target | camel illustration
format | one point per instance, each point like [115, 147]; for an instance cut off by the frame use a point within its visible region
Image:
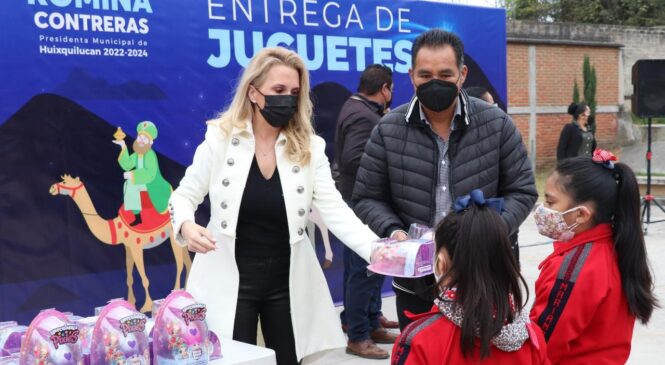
[117, 231]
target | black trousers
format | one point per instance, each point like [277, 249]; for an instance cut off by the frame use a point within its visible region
[264, 293]
[409, 302]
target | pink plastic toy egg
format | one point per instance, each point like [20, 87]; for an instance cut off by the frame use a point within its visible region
[180, 335]
[120, 336]
[51, 339]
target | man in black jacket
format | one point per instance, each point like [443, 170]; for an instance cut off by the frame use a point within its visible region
[362, 293]
[439, 146]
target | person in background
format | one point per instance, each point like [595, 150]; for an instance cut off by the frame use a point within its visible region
[577, 137]
[597, 280]
[439, 145]
[480, 93]
[264, 169]
[478, 315]
[362, 318]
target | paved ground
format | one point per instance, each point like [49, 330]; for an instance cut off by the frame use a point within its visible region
[635, 156]
[648, 341]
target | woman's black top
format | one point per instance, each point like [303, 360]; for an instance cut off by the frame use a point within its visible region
[263, 229]
[573, 141]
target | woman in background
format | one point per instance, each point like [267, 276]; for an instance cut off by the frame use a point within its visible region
[577, 137]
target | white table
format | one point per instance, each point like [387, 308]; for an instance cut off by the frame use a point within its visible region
[239, 353]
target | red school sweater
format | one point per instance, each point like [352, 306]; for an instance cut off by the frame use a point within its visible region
[433, 339]
[580, 304]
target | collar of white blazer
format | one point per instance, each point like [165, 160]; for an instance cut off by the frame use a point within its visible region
[248, 132]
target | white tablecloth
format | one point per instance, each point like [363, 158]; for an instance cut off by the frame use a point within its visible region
[239, 353]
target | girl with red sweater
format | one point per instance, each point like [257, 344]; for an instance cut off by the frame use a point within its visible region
[597, 280]
[478, 315]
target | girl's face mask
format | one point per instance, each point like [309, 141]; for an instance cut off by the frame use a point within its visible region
[551, 223]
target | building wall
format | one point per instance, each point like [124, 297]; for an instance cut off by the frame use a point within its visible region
[549, 69]
[636, 42]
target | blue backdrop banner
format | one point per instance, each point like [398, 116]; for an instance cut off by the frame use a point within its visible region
[78, 74]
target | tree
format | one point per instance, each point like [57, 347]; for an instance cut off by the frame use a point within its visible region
[621, 12]
[576, 93]
[589, 77]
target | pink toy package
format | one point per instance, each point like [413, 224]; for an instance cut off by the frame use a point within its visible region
[10, 360]
[51, 339]
[119, 336]
[10, 338]
[86, 327]
[180, 335]
[411, 258]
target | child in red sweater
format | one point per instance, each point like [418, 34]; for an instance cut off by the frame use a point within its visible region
[478, 316]
[597, 280]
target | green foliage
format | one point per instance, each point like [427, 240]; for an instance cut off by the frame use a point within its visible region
[644, 121]
[623, 12]
[589, 75]
[576, 93]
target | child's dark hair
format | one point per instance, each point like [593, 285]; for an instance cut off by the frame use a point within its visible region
[616, 199]
[485, 272]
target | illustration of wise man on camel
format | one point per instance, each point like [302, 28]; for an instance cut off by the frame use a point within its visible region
[143, 220]
[142, 173]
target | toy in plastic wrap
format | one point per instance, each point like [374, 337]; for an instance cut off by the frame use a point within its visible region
[411, 258]
[180, 335]
[51, 339]
[10, 338]
[214, 346]
[86, 327]
[10, 360]
[421, 231]
[156, 304]
[120, 336]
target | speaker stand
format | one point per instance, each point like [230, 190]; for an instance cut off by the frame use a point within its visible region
[649, 199]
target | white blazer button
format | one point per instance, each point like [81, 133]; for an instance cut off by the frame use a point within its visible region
[235, 141]
[301, 212]
[224, 224]
[296, 169]
[224, 205]
[225, 182]
[300, 189]
[230, 162]
[300, 231]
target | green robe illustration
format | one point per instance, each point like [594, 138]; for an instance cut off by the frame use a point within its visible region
[146, 177]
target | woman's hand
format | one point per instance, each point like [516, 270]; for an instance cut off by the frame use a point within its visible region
[198, 239]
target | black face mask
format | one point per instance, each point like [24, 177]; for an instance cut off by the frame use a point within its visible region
[437, 95]
[279, 109]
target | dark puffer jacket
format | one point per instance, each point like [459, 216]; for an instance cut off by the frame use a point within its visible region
[398, 171]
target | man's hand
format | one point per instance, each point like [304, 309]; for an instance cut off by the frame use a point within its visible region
[120, 143]
[399, 235]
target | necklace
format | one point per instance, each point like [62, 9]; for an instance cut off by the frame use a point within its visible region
[264, 154]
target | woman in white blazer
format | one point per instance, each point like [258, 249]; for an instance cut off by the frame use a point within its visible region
[254, 259]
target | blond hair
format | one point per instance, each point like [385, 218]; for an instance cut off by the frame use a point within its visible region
[299, 130]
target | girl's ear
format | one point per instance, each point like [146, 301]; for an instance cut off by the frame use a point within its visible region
[584, 215]
[442, 264]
